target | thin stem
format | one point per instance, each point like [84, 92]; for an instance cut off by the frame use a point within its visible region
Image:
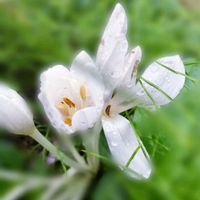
[57, 184]
[91, 143]
[73, 150]
[96, 155]
[191, 63]
[22, 189]
[149, 95]
[54, 151]
[133, 155]
[156, 87]
[176, 72]
[16, 176]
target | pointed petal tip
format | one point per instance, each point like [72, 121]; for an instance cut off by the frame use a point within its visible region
[144, 175]
[119, 11]
[138, 51]
[82, 56]
[138, 48]
[119, 6]
[82, 52]
[145, 170]
[148, 173]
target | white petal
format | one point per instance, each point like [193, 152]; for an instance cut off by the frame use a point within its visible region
[168, 81]
[15, 116]
[112, 72]
[132, 60]
[116, 28]
[123, 142]
[171, 83]
[85, 118]
[84, 68]
[54, 83]
[113, 48]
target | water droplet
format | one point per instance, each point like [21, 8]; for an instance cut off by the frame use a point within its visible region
[91, 125]
[167, 80]
[140, 93]
[115, 74]
[127, 144]
[114, 144]
[108, 127]
[130, 84]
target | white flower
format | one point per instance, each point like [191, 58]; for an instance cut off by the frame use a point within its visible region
[72, 99]
[75, 99]
[15, 115]
[158, 86]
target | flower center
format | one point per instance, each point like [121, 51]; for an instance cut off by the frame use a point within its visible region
[107, 110]
[68, 107]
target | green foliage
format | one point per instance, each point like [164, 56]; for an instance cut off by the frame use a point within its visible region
[35, 34]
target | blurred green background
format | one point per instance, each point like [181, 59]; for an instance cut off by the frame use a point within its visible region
[35, 34]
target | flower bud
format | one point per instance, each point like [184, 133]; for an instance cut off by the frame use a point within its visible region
[15, 115]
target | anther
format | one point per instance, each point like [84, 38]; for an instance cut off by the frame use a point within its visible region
[107, 110]
[63, 108]
[68, 121]
[83, 92]
[69, 102]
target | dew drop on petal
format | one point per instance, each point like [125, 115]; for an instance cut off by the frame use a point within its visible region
[114, 144]
[108, 127]
[167, 79]
[140, 93]
[127, 144]
[130, 84]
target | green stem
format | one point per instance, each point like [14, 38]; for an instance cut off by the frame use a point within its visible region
[54, 151]
[191, 63]
[156, 87]
[72, 149]
[149, 95]
[133, 155]
[91, 143]
[176, 72]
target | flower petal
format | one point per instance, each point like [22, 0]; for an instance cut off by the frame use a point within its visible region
[131, 62]
[113, 48]
[169, 82]
[115, 29]
[123, 142]
[85, 118]
[53, 83]
[84, 68]
[15, 116]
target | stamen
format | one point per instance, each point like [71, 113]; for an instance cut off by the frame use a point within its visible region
[68, 121]
[107, 110]
[69, 102]
[83, 92]
[63, 108]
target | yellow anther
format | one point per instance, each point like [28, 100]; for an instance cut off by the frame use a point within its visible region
[63, 108]
[68, 121]
[83, 92]
[69, 102]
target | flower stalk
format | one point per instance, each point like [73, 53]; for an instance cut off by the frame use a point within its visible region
[37, 136]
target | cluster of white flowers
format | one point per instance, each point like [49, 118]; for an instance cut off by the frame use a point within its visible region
[91, 94]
